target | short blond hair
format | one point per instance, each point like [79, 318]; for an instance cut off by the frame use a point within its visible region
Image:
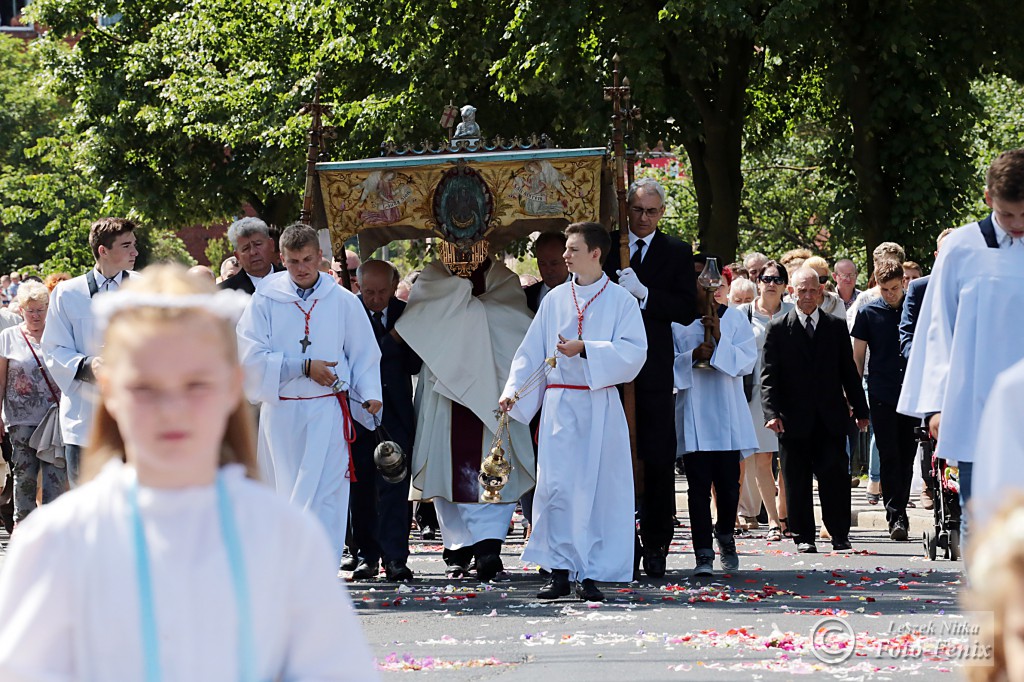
[818, 264]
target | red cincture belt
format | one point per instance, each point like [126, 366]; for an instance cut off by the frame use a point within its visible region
[569, 387]
[347, 427]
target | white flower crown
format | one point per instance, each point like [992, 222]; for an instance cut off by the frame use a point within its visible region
[228, 304]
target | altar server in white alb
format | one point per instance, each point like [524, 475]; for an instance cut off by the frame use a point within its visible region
[312, 360]
[713, 426]
[466, 329]
[172, 564]
[70, 347]
[999, 474]
[972, 317]
[583, 509]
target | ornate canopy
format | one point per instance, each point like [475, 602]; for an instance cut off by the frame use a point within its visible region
[475, 201]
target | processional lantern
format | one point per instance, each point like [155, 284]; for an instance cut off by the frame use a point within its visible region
[710, 279]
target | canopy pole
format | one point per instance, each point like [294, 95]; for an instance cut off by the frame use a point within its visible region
[618, 94]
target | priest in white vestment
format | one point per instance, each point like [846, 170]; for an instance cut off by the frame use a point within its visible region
[301, 337]
[466, 330]
[969, 321]
[713, 426]
[583, 508]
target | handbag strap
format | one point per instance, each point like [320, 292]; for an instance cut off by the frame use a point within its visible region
[46, 377]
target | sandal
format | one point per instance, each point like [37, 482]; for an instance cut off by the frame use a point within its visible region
[786, 532]
[873, 498]
[774, 534]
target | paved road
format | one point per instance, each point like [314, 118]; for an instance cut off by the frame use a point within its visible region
[754, 624]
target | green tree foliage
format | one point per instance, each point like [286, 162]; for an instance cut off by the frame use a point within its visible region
[28, 112]
[217, 250]
[181, 112]
[899, 76]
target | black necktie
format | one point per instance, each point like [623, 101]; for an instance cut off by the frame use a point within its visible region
[634, 262]
[809, 326]
[107, 282]
[378, 323]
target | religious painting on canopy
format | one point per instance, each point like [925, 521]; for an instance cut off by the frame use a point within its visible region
[475, 201]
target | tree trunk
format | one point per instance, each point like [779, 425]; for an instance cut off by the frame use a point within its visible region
[716, 160]
[278, 210]
[873, 196]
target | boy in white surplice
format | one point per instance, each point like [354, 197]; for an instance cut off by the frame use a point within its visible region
[308, 350]
[583, 507]
[713, 427]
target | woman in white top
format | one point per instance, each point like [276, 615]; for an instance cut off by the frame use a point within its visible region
[172, 564]
[26, 393]
[765, 308]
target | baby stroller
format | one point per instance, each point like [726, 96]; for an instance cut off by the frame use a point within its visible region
[944, 486]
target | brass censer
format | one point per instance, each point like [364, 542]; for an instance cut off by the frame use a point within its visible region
[495, 469]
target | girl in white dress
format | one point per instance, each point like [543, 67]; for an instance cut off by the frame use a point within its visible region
[172, 564]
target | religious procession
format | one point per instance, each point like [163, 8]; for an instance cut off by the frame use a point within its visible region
[476, 408]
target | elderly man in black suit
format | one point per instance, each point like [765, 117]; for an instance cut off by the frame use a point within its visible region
[380, 510]
[660, 275]
[808, 383]
[256, 253]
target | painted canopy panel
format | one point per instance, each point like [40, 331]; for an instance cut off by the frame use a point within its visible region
[461, 198]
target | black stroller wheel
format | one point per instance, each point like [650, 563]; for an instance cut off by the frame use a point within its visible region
[954, 545]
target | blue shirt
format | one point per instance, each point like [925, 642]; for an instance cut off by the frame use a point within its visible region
[878, 323]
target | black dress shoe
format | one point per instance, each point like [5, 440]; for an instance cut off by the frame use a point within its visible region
[557, 586]
[428, 533]
[654, 564]
[397, 572]
[841, 546]
[349, 563]
[488, 566]
[587, 591]
[806, 548]
[366, 571]
[456, 572]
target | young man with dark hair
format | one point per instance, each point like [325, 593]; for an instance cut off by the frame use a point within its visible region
[970, 315]
[312, 360]
[583, 506]
[877, 329]
[69, 343]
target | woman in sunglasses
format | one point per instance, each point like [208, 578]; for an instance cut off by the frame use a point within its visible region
[768, 305]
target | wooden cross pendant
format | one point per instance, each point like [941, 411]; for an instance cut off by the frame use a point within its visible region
[305, 342]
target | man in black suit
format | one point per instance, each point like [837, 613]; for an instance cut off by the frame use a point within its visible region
[256, 253]
[660, 275]
[808, 383]
[380, 510]
[549, 249]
